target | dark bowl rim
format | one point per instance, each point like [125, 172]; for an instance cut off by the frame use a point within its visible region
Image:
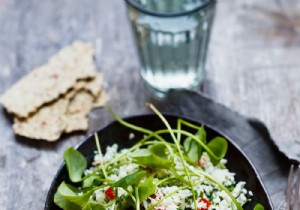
[166, 114]
[138, 7]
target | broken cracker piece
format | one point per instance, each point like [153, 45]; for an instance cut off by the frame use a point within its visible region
[46, 83]
[57, 97]
[82, 103]
[79, 108]
[48, 123]
[76, 122]
[67, 114]
[101, 100]
[77, 112]
[93, 85]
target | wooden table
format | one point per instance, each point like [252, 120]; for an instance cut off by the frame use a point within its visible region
[253, 68]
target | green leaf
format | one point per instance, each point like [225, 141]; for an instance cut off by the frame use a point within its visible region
[130, 180]
[91, 181]
[93, 206]
[145, 157]
[192, 148]
[201, 134]
[258, 206]
[76, 164]
[73, 194]
[218, 147]
[147, 188]
[63, 203]
[159, 149]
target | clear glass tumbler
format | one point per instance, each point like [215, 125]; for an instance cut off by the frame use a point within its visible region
[172, 38]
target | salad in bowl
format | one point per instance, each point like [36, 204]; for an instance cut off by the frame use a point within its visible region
[175, 165]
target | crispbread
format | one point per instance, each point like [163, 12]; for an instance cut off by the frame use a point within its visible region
[46, 83]
[57, 97]
[47, 123]
[76, 122]
[82, 103]
[101, 99]
[77, 112]
[93, 85]
[79, 108]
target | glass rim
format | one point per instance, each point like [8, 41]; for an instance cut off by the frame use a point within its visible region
[137, 6]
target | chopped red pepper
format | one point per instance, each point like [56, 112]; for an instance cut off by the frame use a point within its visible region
[110, 193]
[207, 202]
[153, 196]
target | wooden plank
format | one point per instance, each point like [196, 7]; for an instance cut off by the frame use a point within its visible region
[254, 67]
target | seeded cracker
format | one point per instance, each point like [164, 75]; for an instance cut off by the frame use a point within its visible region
[79, 108]
[68, 113]
[46, 83]
[101, 99]
[81, 103]
[76, 122]
[56, 98]
[91, 85]
[48, 123]
[85, 97]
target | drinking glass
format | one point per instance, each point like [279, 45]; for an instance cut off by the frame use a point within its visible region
[171, 38]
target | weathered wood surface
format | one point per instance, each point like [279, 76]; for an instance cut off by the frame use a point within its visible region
[253, 68]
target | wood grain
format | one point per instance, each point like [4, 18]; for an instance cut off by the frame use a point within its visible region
[253, 68]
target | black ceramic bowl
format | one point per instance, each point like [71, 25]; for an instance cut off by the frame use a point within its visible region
[117, 133]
